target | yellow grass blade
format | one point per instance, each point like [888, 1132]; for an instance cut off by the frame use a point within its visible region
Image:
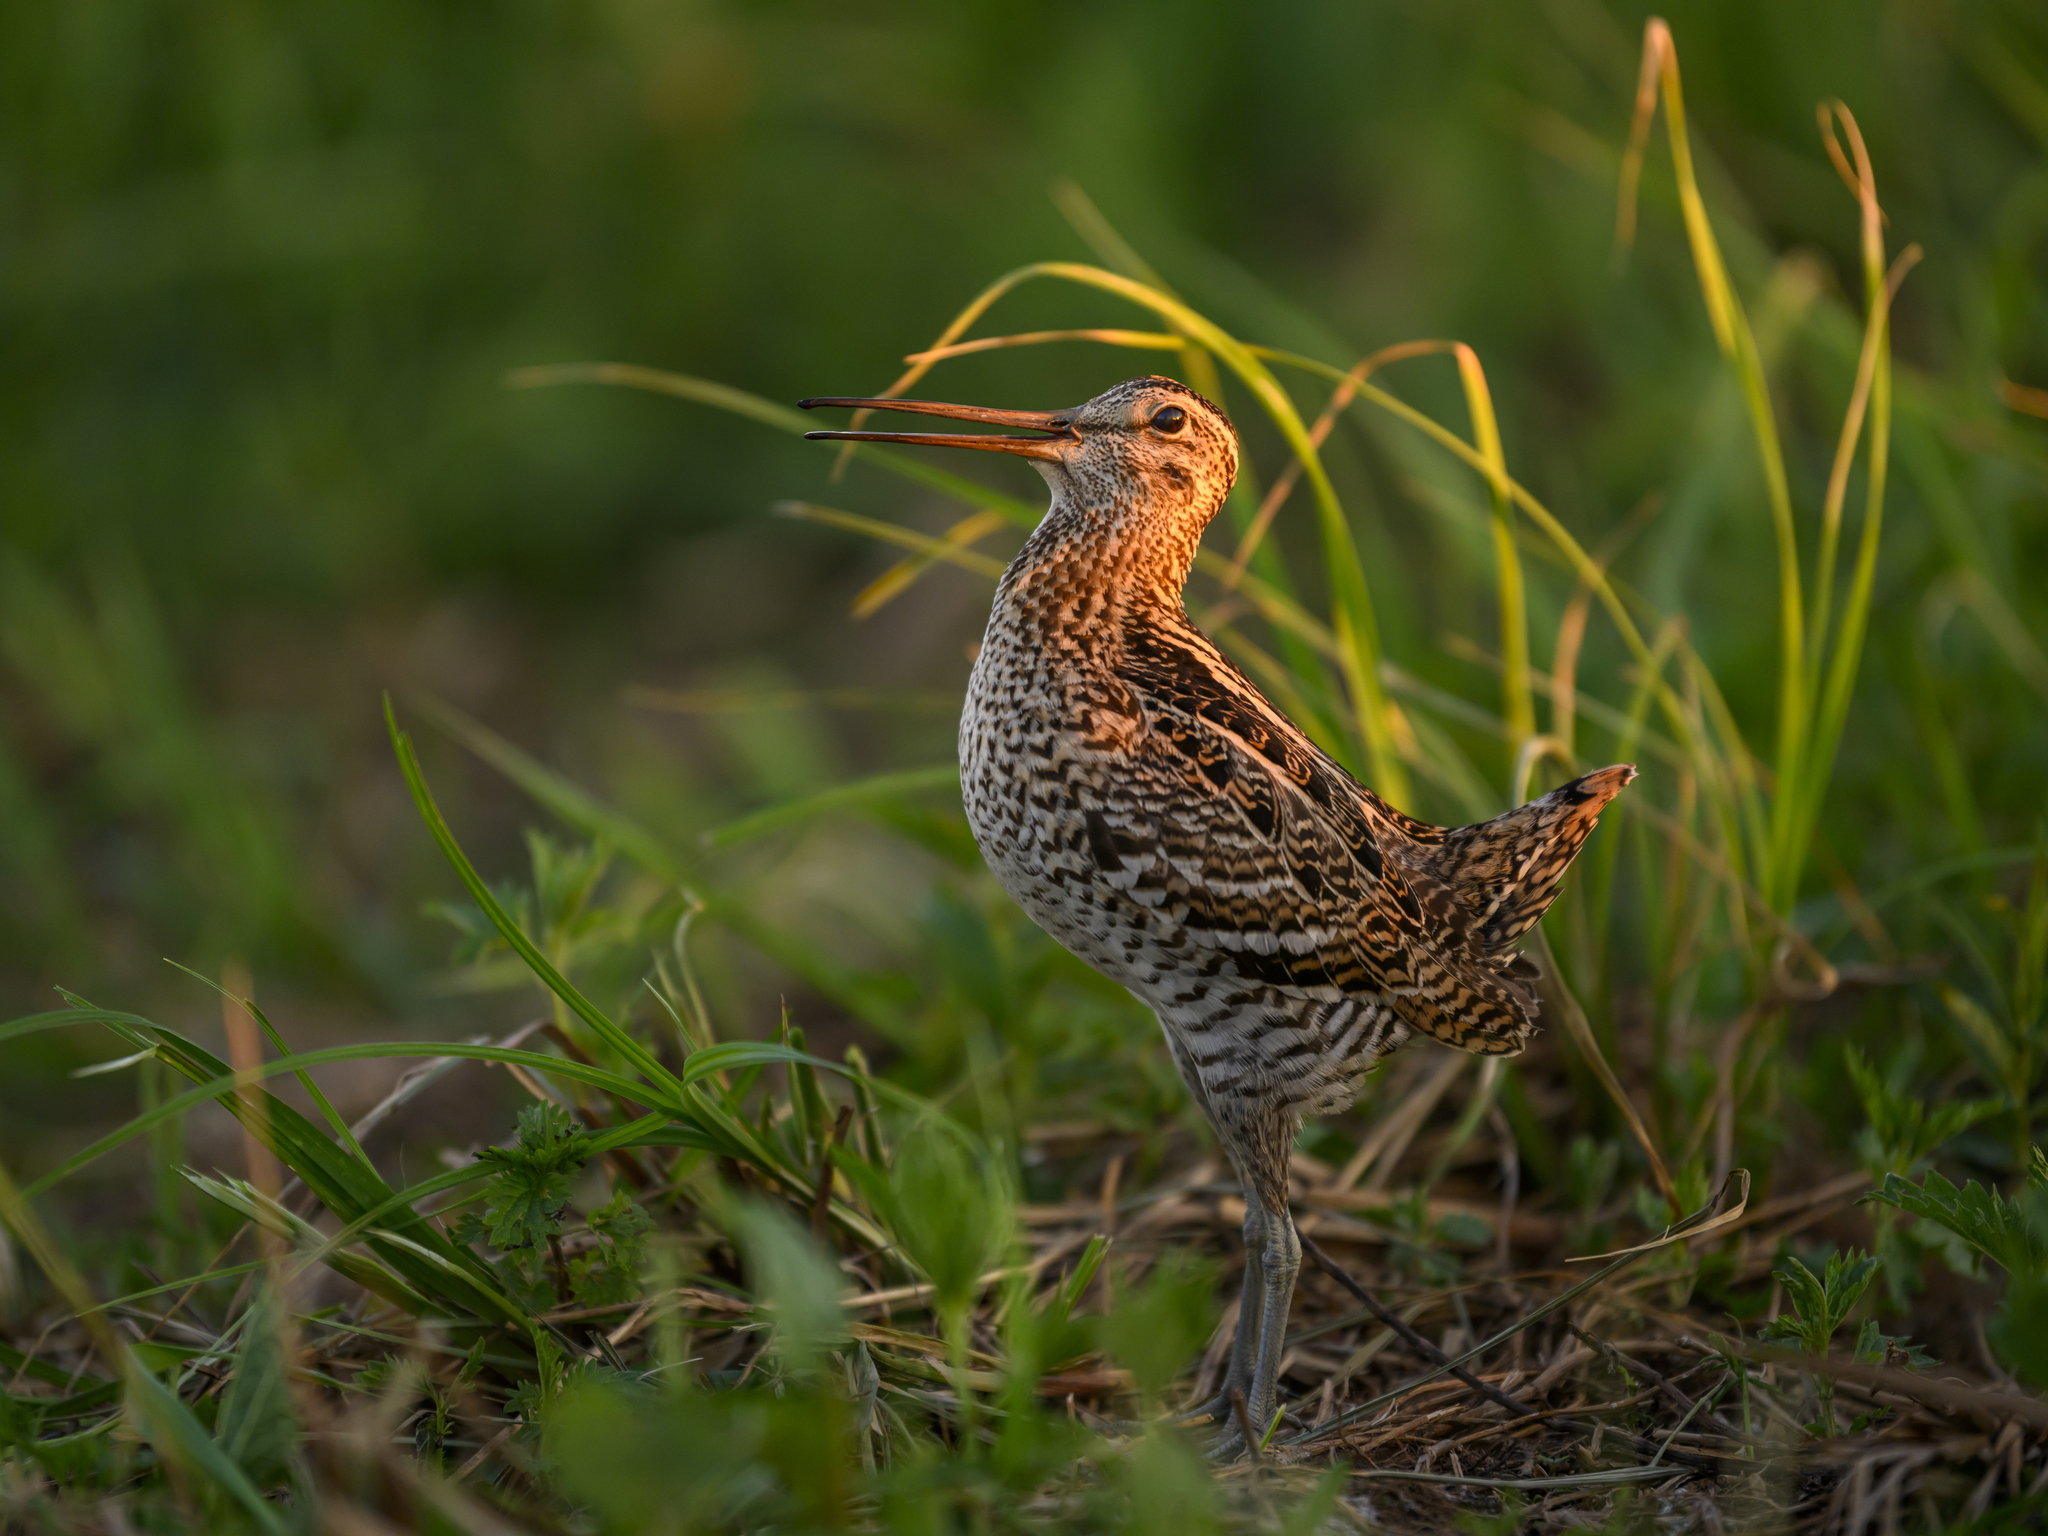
[1289, 477]
[893, 533]
[1155, 341]
[1732, 334]
[1516, 706]
[897, 579]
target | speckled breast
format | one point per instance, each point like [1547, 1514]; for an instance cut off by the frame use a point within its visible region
[1045, 770]
[1027, 780]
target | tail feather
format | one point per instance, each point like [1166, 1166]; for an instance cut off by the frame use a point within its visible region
[1506, 871]
[1470, 1006]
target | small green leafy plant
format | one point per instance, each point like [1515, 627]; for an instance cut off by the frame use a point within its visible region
[2008, 1037]
[1820, 1305]
[1901, 1130]
[524, 1213]
[2011, 1231]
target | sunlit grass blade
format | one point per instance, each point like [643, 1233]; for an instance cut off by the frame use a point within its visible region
[1738, 345]
[1120, 256]
[893, 582]
[1140, 341]
[1841, 652]
[949, 550]
[1197, 364]
[1352, 616]
[1517, 706]
[1255, 532]
[1611, 597]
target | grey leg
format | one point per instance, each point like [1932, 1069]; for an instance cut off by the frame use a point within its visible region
[1279, 1253]
[1272, 1260]
[1256, 1130]
[1259, 1147]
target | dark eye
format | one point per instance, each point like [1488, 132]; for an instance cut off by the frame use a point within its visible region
[1169, 418]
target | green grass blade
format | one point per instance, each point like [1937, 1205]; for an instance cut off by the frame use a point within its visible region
[213, 1087]
[345, 1186]
[169, 1425]
[1732, 333]
[600, 1024]
[359, 1269]
[1846, 646]
[58, 1018]
[1582, 564]
[17, 1365]
[327, 1109]
[229, 1272]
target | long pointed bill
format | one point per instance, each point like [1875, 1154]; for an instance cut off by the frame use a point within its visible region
[1058, 425]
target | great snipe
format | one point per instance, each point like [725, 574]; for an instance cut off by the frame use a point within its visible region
[1148, 807]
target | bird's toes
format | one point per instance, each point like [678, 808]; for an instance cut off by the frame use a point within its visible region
[1215, 1411]
[1226, 1447]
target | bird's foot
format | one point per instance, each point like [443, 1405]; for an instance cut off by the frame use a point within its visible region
[1226, 1447]
[1238, 1432]
[1216, 1410]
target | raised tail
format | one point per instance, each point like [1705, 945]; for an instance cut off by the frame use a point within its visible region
[1506, 871]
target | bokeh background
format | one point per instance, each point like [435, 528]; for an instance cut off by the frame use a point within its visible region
[264, 268]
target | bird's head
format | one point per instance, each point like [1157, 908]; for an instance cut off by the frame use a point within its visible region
[1146, 449]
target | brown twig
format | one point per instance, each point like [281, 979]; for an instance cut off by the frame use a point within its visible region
[1437, 1357]
[1643, 1372]
[1241, 1411]
[1946, 1396]
[1408, 1335]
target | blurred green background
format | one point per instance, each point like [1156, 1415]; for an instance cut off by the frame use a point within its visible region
[264, 266]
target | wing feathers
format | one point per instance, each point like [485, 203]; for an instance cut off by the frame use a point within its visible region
[1299, 877]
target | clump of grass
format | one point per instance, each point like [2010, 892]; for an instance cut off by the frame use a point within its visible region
[714, 1280]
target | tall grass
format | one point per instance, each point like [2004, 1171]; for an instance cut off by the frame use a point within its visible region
[1738, 834]
[524, 1334]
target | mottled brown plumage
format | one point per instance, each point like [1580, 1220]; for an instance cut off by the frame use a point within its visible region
[1149, 808]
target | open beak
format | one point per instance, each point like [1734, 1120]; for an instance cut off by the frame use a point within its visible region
[1058, 426]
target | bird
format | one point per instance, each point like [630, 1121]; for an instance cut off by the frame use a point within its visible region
[1149, 808]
